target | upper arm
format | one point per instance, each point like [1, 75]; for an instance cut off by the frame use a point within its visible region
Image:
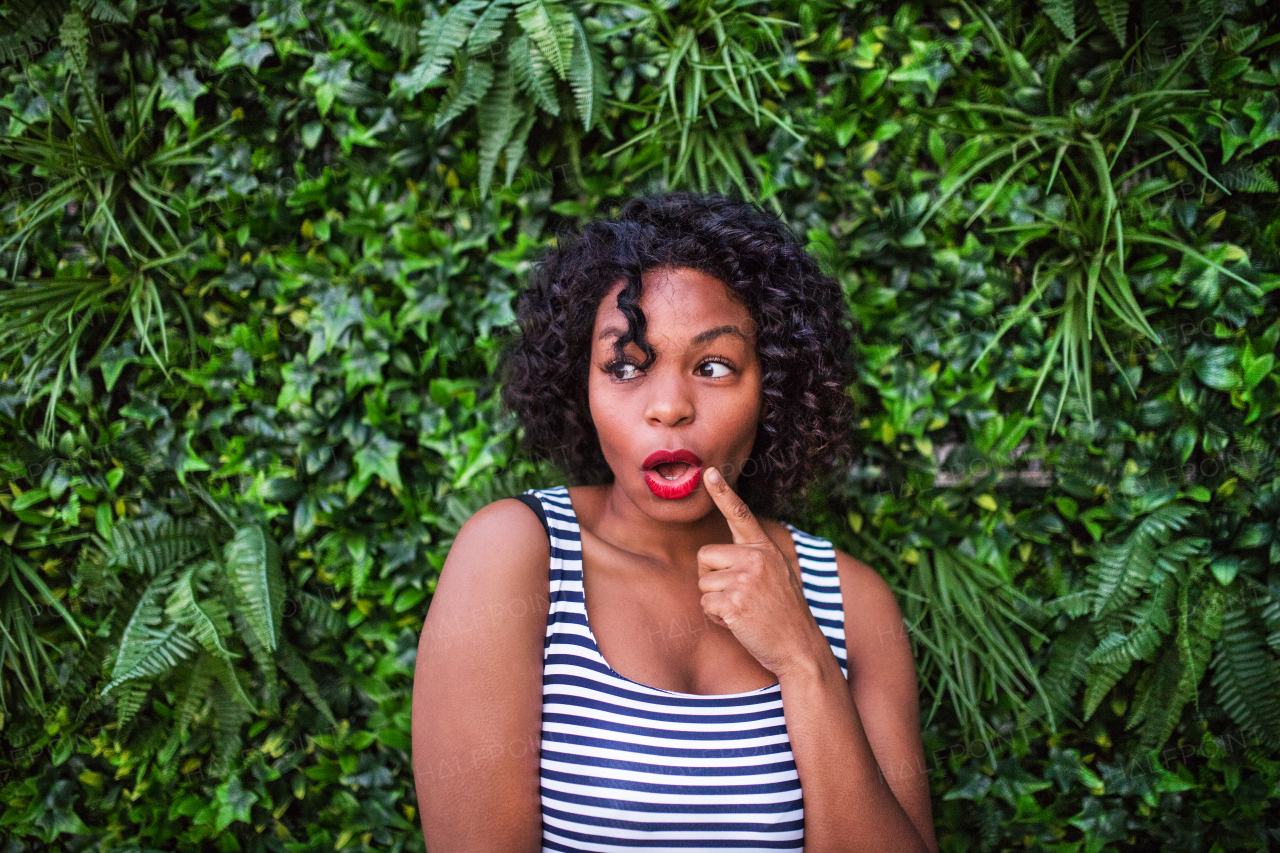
[477, 687]
[882, 679]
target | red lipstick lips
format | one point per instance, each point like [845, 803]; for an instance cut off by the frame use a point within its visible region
[683, 466]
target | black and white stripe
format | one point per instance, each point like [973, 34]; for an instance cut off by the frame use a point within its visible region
[625, 766]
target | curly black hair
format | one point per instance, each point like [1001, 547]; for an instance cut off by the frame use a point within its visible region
[803, 327]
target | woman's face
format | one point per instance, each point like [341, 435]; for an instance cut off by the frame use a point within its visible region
[701, 394]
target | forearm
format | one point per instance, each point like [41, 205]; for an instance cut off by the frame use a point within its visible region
[848, 805]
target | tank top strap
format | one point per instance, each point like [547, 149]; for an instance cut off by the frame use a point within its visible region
[822, 589]
[567, 613]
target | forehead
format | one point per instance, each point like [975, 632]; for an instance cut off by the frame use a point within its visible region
[674, 300]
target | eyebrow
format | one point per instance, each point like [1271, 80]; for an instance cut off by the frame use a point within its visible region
[700, 338]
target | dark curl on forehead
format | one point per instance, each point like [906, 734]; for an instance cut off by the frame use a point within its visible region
[802, 325]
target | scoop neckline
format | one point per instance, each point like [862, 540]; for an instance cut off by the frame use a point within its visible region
[591, 634]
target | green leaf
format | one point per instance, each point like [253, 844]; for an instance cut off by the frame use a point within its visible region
[498, 116]
[1063, 15]
[253, 565]
[180, 93]
[1214, 368]
[466, 88]
[533, 75]
[550, 28]
[438, 39]
[380, 457]
[1115, 14]
[234, 804]
[488, 27]
[587, 77]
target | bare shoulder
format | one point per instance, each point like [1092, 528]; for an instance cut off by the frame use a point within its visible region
[865, 585]
[874, 630]
[500, 553]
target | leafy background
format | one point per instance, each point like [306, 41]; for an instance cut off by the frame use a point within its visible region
[260, 261]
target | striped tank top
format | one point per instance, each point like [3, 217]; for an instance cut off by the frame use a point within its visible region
[625, 766]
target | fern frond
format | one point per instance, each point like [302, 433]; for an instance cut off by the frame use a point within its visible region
[498, 115]
[488, 26]
[253, 566]
[152, 544]
[398, 30]
[1121, 571]
[1115, 14]
[298, 670]
[1248, 178]
[1100, 681]
[104, 11]
[1072, 604]
[1246, 675]
[1067, 666]
[141, 630]
[550, 28]
[206, 622]
[514, 150]
[587, 77]
[1159, 697]
[128, 702]
[75, 38]
[229, 679]
[26, 21]
[1063, 15]
[438, 39]
[1270, 614]
[533, 75]
[161, 655]
[1116, 647]
[468, 85]
[263, 657]
[1195, 645]
[320, 615]
[195, 695]
[231, 710]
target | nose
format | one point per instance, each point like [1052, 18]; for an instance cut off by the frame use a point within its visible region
[669, 402]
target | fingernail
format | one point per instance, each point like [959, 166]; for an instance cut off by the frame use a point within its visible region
[713, 475]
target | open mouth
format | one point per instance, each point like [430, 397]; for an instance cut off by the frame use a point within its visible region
[672, 474]
[672, 470]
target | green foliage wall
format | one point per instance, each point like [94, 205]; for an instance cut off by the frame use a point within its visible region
[260, 260]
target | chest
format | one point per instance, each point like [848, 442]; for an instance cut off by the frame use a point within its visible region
[649, 625]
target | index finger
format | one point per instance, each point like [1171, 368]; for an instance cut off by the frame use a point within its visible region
[742, 522]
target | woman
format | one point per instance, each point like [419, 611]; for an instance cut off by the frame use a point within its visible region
[734, 683]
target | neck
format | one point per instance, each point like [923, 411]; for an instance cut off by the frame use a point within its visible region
[619, 522]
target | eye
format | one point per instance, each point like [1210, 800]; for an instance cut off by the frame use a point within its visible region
[725, 367]
[613, 367]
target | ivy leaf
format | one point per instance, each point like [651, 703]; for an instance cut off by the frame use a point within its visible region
[379, 457]
[113, 361]
[330, 79]
[1266, 118]
[234, 804]
[246, 48]
[180, 93]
